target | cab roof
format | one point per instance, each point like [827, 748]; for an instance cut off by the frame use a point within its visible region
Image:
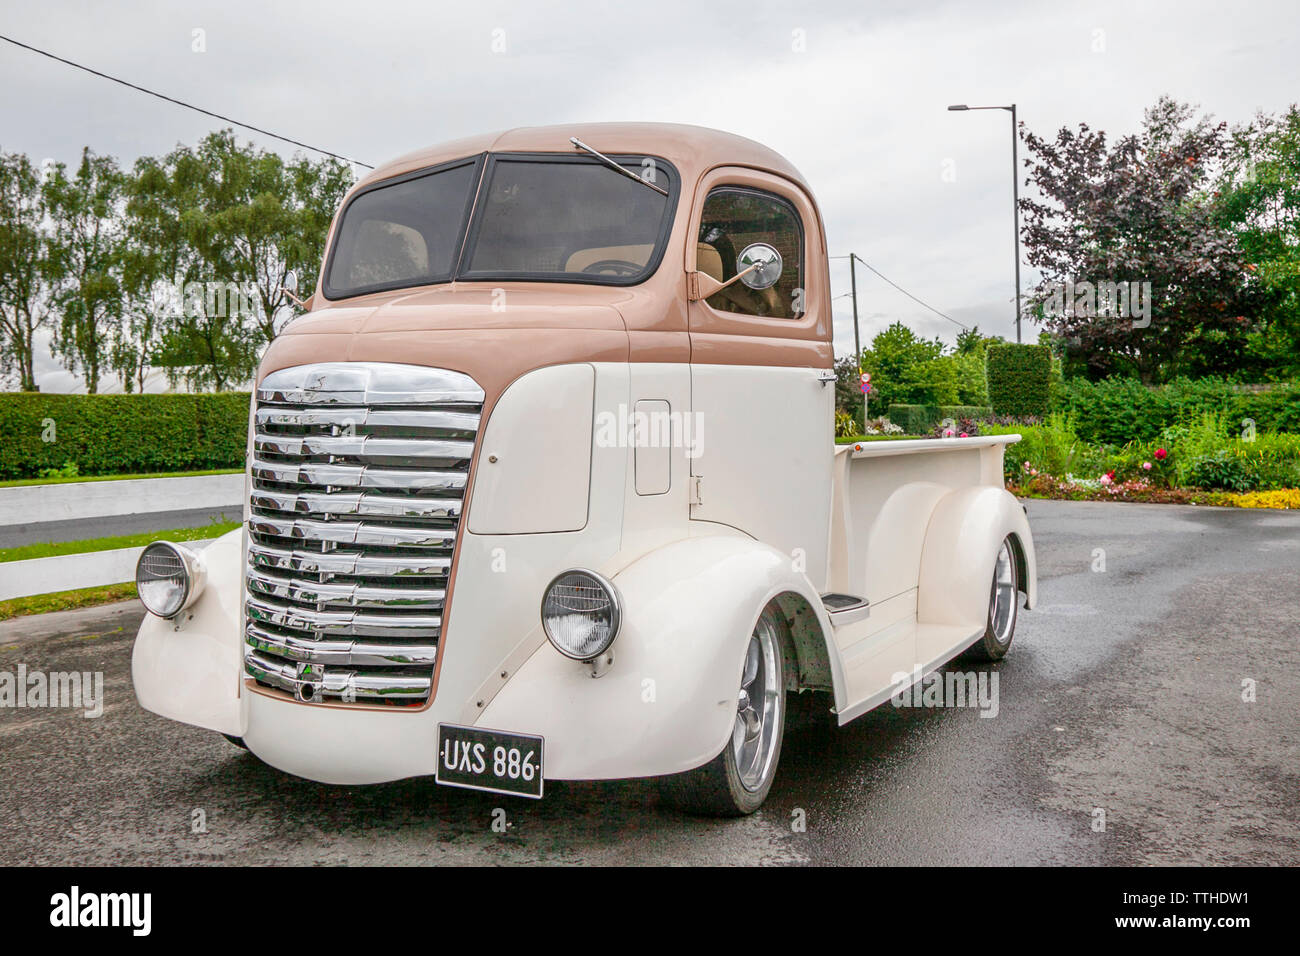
[692, 149]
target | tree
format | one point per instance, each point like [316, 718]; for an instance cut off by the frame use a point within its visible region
[1259, 199]
[87, 249]
[202, 341]
[263, 221]
[909, 370]
[26, 269]
[1139, 211]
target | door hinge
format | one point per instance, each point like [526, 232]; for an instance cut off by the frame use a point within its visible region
[696, 496]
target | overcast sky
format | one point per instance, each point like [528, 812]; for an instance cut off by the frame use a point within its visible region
[853, 93]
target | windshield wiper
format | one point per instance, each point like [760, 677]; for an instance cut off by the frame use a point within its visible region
[615, 166]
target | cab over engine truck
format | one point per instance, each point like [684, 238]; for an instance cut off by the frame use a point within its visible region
[543, 486]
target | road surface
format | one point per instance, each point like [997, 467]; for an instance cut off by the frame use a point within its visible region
[1123, 693]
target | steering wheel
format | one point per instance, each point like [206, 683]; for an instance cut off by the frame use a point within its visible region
[613, 267]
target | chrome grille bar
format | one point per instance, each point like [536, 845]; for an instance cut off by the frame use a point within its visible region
[359, 473]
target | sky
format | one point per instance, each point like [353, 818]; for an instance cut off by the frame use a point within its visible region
[853, 93]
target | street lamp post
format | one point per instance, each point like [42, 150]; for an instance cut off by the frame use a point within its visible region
[1015, 188]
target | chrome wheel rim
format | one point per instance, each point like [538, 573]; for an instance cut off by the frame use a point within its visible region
[1002, 605]
[758, 705]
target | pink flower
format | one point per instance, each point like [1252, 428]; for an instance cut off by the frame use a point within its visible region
[963, 435]
[1106, 479]
[1146, 466]
[1161, 454]
[947, 433]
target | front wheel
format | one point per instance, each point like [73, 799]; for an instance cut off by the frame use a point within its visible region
[1004, 599]
[737, 781]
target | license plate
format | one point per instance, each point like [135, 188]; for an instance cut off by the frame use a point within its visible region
[491, 760]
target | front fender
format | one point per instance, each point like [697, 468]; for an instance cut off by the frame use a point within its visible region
[961, 543]
[189, 670]
[668, 702]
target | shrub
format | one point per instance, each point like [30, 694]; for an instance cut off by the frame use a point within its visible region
[1119, 410]
[1019, 378]
[914, 419]
[1050, 448]
[121, 434]
[922, 419]
[1289, 498]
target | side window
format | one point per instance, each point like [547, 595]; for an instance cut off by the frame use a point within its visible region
[733, 218]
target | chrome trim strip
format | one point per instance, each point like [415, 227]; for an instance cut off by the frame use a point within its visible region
[340, 652]
[355, 564]
[338, 683]
[359, 504]
[364, 446]
[352, 532]
[342, 623]
[464, 424]
[369, 383]
[324, 595]
[357, 476]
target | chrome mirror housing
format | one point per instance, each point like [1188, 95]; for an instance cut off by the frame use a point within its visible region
[768, 272]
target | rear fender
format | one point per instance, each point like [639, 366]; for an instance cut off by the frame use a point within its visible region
[961, 545]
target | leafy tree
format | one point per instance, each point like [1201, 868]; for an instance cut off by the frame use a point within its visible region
[262, 222]
[1141, 210]
[909, 370]
[1259, 199]
[202, 340]
[87, 251]
[26, 268]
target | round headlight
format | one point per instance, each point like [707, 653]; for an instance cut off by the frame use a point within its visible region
[580, 614]
[165, 577]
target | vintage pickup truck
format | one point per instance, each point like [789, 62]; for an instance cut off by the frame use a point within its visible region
[542, 486]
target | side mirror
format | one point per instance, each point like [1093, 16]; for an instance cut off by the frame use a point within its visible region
[769, 268]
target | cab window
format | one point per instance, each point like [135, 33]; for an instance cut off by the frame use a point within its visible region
[733, 218]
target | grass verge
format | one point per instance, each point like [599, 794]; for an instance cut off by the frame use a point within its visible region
[65, 600]
[25, 552]
[20, 482]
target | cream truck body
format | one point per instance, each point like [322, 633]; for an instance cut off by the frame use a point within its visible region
[648, 421]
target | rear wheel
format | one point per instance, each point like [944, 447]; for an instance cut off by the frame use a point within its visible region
[1004, 599]
[737, 781]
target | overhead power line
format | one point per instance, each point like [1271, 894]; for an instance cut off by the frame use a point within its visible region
[904, 291]
[188, 106]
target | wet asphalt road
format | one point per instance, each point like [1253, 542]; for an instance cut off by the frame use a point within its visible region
[1123, 692]
[78, 529]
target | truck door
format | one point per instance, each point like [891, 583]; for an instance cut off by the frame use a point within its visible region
[759, 355]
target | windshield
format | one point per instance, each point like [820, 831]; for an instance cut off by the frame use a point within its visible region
[551, 218]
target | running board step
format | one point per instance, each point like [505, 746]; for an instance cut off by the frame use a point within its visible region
[845, 608]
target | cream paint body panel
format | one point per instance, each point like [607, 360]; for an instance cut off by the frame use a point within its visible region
[764, 459]
[190, 670]
[534, 467]
[668, 702]
[920, 524]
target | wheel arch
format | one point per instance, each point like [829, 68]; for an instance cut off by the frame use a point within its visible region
[961, 542]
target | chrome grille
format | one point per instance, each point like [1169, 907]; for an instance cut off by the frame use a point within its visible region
[358, 484]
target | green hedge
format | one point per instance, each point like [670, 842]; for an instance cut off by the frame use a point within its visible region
[1019, 378]
[920, 419]
[121, 434]
[1116, 411]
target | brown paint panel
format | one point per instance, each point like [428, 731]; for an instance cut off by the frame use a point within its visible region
[713, 348]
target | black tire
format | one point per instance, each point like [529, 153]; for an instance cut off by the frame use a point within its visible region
[719, 788]
[237, 741]
[1004, 598]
